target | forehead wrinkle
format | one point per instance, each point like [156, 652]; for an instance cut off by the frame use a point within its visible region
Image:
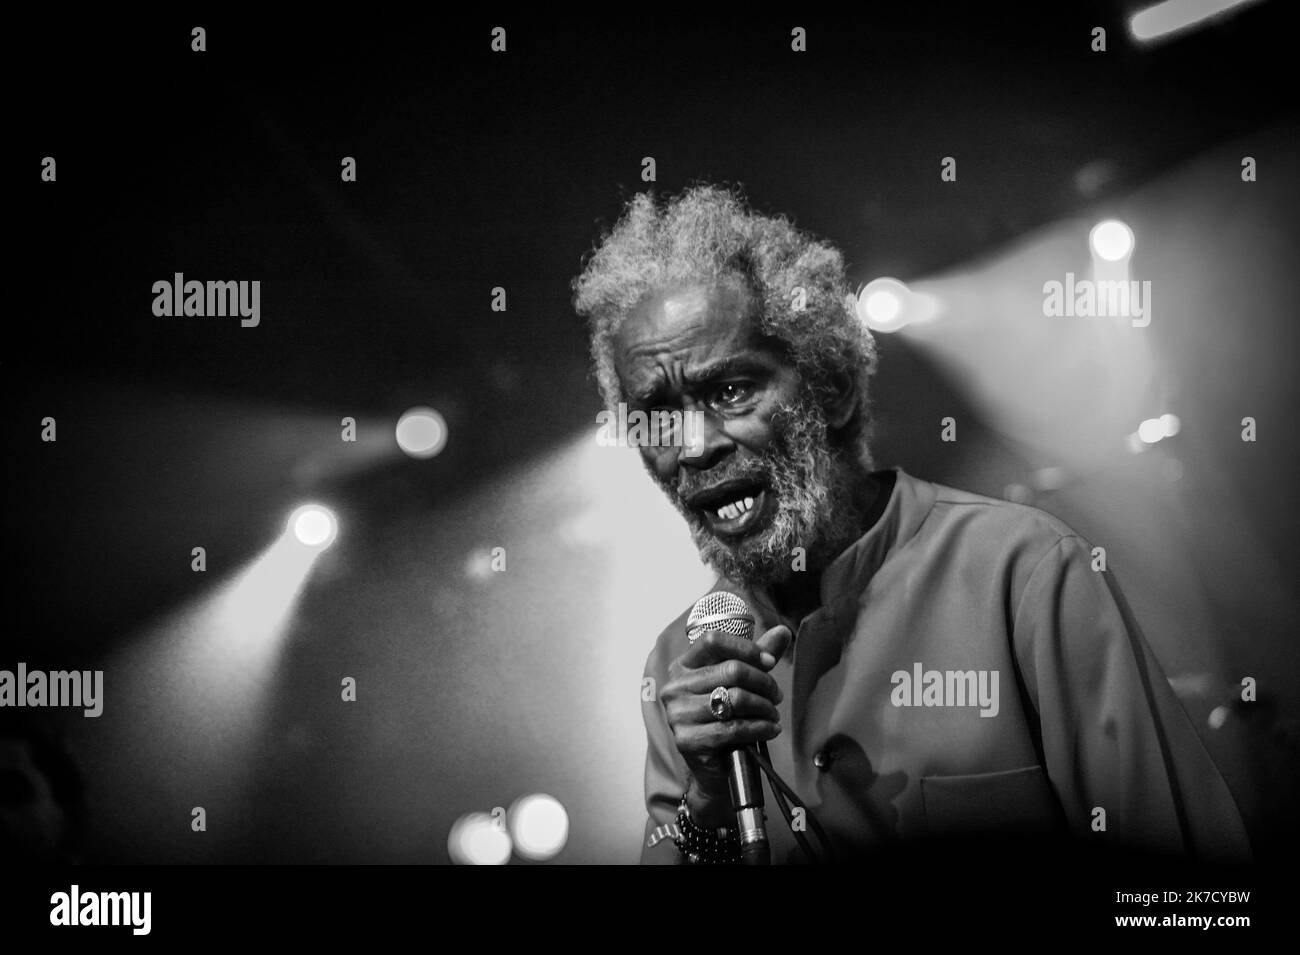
[648, 390]
[658, 361]
[675, 342]
[692, 326]
[666, 351]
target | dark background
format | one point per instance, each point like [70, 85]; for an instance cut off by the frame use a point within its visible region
[478, 170]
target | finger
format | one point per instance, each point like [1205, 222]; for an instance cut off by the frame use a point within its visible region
[716, 737]
[697, 708]
[775, 641]
[732, 673]
[714, 646]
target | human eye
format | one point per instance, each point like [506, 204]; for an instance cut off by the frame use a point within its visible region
[731, 394]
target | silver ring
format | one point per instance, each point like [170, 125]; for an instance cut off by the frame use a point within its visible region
[720, 703]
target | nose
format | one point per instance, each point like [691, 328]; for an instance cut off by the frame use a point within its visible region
[706, 442]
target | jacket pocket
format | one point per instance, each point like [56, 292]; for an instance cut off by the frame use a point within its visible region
[1014, 800]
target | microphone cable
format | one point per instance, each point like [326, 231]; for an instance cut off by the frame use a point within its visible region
[782, 792]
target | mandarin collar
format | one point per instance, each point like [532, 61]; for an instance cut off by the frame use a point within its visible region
[847, 576]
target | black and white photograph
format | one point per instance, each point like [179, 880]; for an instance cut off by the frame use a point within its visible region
[860, 442]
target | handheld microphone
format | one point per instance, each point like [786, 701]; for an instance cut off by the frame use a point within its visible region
[729, 613]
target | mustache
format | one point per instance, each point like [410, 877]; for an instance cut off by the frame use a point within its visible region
[763, 468]
[692, 483]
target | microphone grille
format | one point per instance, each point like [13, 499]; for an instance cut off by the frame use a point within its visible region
[722, 611]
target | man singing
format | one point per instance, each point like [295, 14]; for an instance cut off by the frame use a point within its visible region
[929, 662]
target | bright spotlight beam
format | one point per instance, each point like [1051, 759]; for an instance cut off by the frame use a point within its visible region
[1175, 16]
[201, 680]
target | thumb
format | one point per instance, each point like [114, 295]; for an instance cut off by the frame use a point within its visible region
[775, 641]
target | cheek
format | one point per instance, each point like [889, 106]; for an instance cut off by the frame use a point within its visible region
[755, 431]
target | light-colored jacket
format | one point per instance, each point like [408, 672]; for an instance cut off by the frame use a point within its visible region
[969, 672]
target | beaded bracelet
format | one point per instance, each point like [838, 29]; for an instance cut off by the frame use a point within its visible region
[703, 846]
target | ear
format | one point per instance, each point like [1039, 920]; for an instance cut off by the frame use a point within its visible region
[841, 399]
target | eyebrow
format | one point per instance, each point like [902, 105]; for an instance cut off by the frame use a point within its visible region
[703, 374]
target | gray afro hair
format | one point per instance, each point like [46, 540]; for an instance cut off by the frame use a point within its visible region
[709, 233]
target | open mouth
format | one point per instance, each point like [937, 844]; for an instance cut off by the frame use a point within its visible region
[733, 508]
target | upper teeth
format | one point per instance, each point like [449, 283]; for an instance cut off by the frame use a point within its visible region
[733, 510]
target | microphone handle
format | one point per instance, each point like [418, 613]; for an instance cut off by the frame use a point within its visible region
[747, 799]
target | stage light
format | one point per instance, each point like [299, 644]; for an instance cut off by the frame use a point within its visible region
[206, 674]
[1170, 424]
[883, 307]
[540, 826]
[1151, 430]
[478, 838]
[1173, 16]
[314, 526]
[882, 304]
[421, 432]
[1218, 716]
[1111, 240]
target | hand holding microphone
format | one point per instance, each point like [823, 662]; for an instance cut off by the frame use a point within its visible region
[709, 729]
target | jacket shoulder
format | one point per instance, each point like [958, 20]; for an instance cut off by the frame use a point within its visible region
[1005, 519]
